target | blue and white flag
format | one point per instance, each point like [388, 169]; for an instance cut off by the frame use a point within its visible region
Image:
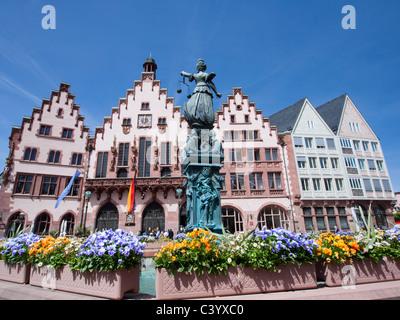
[68, 189]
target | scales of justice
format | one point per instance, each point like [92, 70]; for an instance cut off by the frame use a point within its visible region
[202, 156]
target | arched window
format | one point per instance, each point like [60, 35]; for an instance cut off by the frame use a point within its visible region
[30, 154]
[68, 221]
[232, 220]
[42, 224]
[273, 217]
[54, 157]
[15, 224]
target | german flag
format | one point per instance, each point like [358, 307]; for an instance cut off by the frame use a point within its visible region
[131, 195]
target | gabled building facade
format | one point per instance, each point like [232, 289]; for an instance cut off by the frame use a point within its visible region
[143, 134]
[316, 173]
[367, 176]
[45, 152]
[255, 191]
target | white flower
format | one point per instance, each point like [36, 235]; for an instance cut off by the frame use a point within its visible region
[255, 245]
[229, 260]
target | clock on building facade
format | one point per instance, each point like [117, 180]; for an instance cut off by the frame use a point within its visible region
[144, 121]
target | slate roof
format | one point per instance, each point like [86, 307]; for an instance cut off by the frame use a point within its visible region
[332, 111]
[285, 119]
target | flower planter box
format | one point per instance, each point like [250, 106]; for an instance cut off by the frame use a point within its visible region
[238, 280]
[18, 273]
[110, 285]
[361, 271]
[152, 248]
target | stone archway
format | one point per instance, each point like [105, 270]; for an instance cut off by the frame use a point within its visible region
[153, 218]
[107, 218]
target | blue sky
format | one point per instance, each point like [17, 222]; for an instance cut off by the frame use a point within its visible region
[277, 51]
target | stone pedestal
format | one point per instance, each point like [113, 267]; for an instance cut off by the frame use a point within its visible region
[201, 162]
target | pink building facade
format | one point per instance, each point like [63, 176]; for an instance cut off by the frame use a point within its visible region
[45, 152]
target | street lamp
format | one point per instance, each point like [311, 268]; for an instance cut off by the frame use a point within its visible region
[179, 193]
[87, 197]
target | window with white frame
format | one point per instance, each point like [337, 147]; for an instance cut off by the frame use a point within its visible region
[305, 184]
[374, 146]
[368, 185]
[386, 185]
[330, 142]
[379, 164]
[328, 184]
[371, 165]
[323, 163]
[309, 143]
[339, 184]
[312, 162]
[335, 163]
[301, 162]
[361, 164]
[365, 145]
[377, 185]
[350, 162]
[354, 127]
[356, 144]
[345, 143]
[316, 184]
[355, 183]
[320, 143]
[298, 142]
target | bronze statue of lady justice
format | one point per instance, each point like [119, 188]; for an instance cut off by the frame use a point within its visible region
[202, 157]
[199, 110]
